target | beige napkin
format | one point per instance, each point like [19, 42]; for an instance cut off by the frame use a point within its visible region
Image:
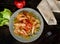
[58, 4]
[54, 5]
[46, 12]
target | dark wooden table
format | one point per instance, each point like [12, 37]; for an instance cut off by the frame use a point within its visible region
[50, 35]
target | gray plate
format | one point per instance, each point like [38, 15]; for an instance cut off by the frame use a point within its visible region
[20, 38]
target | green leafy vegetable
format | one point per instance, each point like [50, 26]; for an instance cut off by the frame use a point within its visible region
[1, 15]
[6, 13]
[5, 17]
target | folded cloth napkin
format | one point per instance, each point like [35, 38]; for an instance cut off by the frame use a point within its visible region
[54, 4]
[45, 9]
[58, 4]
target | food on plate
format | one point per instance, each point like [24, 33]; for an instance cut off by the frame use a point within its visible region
[5, 17]
[26, 24]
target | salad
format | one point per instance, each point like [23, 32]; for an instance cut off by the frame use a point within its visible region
[26, 24]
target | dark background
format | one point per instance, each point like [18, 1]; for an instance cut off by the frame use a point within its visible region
[45, 38]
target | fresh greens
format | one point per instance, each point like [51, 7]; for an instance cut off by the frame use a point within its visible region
[5, 17]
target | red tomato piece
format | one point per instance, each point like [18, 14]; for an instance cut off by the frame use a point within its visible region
[19, 4]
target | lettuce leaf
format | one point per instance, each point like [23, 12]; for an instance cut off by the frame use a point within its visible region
[6, 13]
[3, 22]
[5, 17]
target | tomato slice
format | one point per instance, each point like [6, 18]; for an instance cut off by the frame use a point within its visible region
[19, 4]
[28, 27]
